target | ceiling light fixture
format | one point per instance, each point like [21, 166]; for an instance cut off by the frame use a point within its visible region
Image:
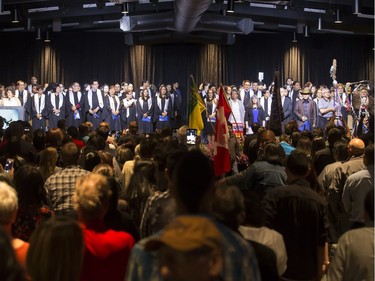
[294, 37]
[357, 7]
[38, 35]
[47, 40]
[15, 19]
[230, 6]
[125, 8]
[319, 23]
[306, 31]
[338, 17]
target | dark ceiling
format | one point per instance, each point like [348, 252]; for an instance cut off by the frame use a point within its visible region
[152, 21]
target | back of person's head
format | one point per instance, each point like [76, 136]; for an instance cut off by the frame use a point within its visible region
[356, 147]
[143, 179]
[298, 163]
[334, 135]
[369, 155]
[47, 161]
[54, 137]
[294, 138]
[103, 131]
[329, 126]
[29, 184]
[104, 169]
[255, 214]
[96, 142]
[193, 181]
[267, 136]
[304, 145]
[273, 153]
[15, 129]
[147, 147]
[181, 134]
[133, 128]
[340, 150]
[91, 160]
[61, 124]
[83, 130]
[39, 139]
[70, 154]
[10, 269]
[369, 204]
[8, 204]
[291, 127]
[123, 154]
[318, 132]
[7, 178]
[318, 143]
[73, 132]
[92, 197]
[56, 250]
[228, 206]
[107, 158]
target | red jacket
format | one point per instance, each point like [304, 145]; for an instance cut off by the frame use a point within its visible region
[107, 253]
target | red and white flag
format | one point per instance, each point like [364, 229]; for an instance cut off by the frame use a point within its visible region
[221, 148]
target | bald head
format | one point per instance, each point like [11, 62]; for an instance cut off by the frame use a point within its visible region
[356, 147]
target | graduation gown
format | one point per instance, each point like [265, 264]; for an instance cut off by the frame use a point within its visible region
[128, 112]
[145, 125]
[39, 106]
[162, 105]
[112, 104]
[94, 100]
[74, 99]
[58, 103]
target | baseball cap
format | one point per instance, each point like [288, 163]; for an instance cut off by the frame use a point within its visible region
[187, 233]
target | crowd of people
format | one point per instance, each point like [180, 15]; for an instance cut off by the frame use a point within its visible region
[79, 203]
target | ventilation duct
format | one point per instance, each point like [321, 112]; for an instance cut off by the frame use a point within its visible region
[155, 38]
[165, 21]
[188, 13]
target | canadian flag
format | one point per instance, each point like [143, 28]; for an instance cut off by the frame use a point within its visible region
[221, 148]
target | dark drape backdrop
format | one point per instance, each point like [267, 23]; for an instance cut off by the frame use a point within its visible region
[104, 56]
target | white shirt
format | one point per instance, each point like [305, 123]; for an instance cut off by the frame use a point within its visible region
[269, 238]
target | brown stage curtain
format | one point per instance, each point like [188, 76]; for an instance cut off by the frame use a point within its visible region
[294, 64]
[213, 64]
[142, 66]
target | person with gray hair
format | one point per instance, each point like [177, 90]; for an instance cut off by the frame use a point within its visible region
[8, 214]
[107, 251]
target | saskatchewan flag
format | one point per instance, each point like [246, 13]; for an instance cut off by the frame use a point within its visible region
[197, 106]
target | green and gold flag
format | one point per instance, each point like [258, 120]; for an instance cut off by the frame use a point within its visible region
[197, 106]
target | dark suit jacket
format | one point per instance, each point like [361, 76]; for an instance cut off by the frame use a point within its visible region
[311, 115]
[287, 109]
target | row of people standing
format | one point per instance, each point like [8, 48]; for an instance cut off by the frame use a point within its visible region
[310, 107]
[151, 110]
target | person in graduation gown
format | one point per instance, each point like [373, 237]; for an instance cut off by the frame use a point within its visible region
[112, 108]
[74, 106]
[39, 112]
[145, 110]
[55, 106]
[163, 108]
[94, 105]
[129, 109]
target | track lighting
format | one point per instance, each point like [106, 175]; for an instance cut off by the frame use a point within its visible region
[294, 37]
[338, 17]
[15, 18]
[230, 6]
